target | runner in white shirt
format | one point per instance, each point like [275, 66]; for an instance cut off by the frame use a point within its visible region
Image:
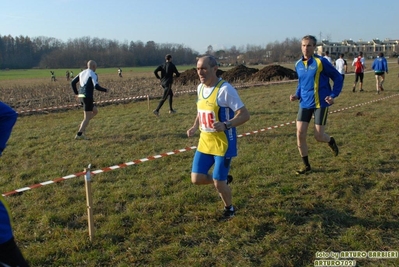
[341, 65]
[327, 56]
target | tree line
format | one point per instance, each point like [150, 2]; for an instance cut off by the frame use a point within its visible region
[23, 52]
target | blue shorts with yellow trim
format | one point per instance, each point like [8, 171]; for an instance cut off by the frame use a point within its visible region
[202, 163]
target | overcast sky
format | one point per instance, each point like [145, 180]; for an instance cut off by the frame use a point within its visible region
[198, 24]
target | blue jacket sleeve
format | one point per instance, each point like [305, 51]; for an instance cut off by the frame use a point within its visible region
[298, 91]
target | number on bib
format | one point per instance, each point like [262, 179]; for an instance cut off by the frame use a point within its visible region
[207, 118]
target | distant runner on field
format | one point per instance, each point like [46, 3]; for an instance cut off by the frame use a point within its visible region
[88, 81]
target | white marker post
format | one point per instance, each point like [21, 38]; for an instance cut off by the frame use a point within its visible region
[148, 101]
[89, 202]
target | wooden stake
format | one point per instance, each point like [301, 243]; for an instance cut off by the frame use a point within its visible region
[148, 101]
[89, 202]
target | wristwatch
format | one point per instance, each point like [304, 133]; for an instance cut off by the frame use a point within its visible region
[228, 125]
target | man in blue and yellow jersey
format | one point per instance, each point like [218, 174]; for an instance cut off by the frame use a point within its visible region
[315, 95]
[10, 254]
[219, 111]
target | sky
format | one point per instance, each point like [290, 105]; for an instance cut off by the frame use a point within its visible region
[199, 24]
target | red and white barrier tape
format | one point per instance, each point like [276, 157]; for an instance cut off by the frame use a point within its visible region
[119, 166]
[135, 162]
[119, 100]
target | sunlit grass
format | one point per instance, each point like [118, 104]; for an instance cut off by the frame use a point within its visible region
[149, 214]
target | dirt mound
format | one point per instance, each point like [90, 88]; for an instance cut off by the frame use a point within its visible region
[190, 76]
[187, 77]
[239, 73]
[274, 73]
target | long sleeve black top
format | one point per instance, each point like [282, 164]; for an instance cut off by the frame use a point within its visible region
[167, 70]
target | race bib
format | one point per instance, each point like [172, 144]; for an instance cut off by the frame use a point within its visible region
[207, 118]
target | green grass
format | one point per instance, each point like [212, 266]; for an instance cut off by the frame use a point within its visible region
[15, 75]
[33, 74]
[150, 214]
[6, 75]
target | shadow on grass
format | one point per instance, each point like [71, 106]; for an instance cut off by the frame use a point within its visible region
[332, 218]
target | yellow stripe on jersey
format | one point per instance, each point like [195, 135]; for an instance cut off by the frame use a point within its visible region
[317, 81]
[211, 142]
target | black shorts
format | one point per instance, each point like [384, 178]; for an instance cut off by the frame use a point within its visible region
[87, 103]
[379, 73]
[359, 76]
[320, 115]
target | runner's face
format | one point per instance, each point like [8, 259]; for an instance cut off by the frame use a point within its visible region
[204, 71]
[307, 48]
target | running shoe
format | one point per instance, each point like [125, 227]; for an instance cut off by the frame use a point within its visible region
[304, 169]
[333, 146]
[229, 213]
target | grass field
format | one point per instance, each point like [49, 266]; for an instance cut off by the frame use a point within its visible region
[149, 214]
[38, 76]
[7, 75]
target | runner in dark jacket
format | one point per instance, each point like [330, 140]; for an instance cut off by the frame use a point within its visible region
[167, 70]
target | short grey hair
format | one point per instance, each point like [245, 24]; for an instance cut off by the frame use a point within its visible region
[310, 37]
[211, 60]
[91, 63]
